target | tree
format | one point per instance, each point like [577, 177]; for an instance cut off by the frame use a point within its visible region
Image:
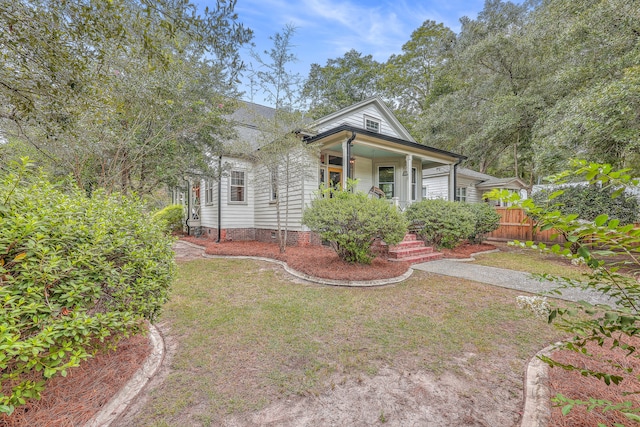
[494, 111]
[121, 94]
[282, 153]
[412, 80]
[341, 82]
[590, 79]
[613, 257]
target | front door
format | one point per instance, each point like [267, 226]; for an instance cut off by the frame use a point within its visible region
[335, 178]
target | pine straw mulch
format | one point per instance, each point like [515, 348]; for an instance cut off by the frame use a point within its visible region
[574, 386]
[72, 400]
[317, 261]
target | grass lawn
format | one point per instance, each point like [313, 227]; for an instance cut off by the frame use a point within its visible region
[532, 261]
[247, 335]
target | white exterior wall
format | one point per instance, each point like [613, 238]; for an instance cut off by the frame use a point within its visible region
[356, 119]
[473, 195]
[364, 174]
[437, 187]
[234, 214]
[303, 173]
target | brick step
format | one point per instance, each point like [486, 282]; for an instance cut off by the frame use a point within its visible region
[403, 253]
[420, 258]
[407, 244]
[409, 237]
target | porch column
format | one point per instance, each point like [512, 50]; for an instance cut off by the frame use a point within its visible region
[345, 162]
[452, 183]
[409, 163]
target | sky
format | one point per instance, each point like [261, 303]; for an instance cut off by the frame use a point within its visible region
[327, 29]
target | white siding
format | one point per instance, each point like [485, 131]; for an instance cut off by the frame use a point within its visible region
[437, 187]
[234, 215]
[364, 174]
[302, 170]
[356, 118]
[473, 196]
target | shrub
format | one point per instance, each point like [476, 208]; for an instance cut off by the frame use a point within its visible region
[614, 270]
[486, 220]
[351, 222]
[588, 201]
[74, 270]
[440, 222]
[172, 217]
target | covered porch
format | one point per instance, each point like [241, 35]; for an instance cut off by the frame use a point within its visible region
[390, 166]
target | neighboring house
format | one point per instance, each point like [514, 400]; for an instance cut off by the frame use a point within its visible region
[469, 184]
[364, 141]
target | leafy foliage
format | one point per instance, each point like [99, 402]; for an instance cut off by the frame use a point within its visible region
[73, 271]
[341, 83]
[123, 94]
[590, 201]
[171, 216]
[486, 220]
[441, 222]
[351, 222]
[614, 265]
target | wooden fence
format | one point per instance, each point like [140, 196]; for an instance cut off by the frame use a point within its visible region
[514, 225]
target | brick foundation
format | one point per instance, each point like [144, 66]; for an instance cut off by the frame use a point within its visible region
[294, 238]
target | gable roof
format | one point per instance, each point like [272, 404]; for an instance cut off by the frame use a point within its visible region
[373, 101]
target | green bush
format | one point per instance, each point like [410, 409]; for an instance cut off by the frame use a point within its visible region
[613, 260]
[351, 222]
[172, 217]
[486, 220]
[440, 222]
[74, 271]
[590, 201]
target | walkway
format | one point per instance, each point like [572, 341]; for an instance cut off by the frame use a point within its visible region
[509, 279]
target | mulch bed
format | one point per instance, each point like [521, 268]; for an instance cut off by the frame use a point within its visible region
[72, 400]
[465, 250]
[575, 386]
[317, 261]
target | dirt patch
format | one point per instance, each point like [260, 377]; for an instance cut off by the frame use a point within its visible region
[391, 398]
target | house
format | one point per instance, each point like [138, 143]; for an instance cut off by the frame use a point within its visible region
[364, 141]
[469, 184]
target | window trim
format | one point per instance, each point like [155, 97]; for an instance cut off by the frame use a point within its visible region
[393, 191]
[459, 196]
[244, 186]
[371, 119]
[208, 191]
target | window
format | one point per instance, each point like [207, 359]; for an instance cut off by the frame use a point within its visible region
[273, 186]
[386, 180]
[237, 187]
[461, 194]
[414, 184]
[371, 124]
[425, 192]
[208, 192]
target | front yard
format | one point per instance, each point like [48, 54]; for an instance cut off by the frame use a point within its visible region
[248, 345]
